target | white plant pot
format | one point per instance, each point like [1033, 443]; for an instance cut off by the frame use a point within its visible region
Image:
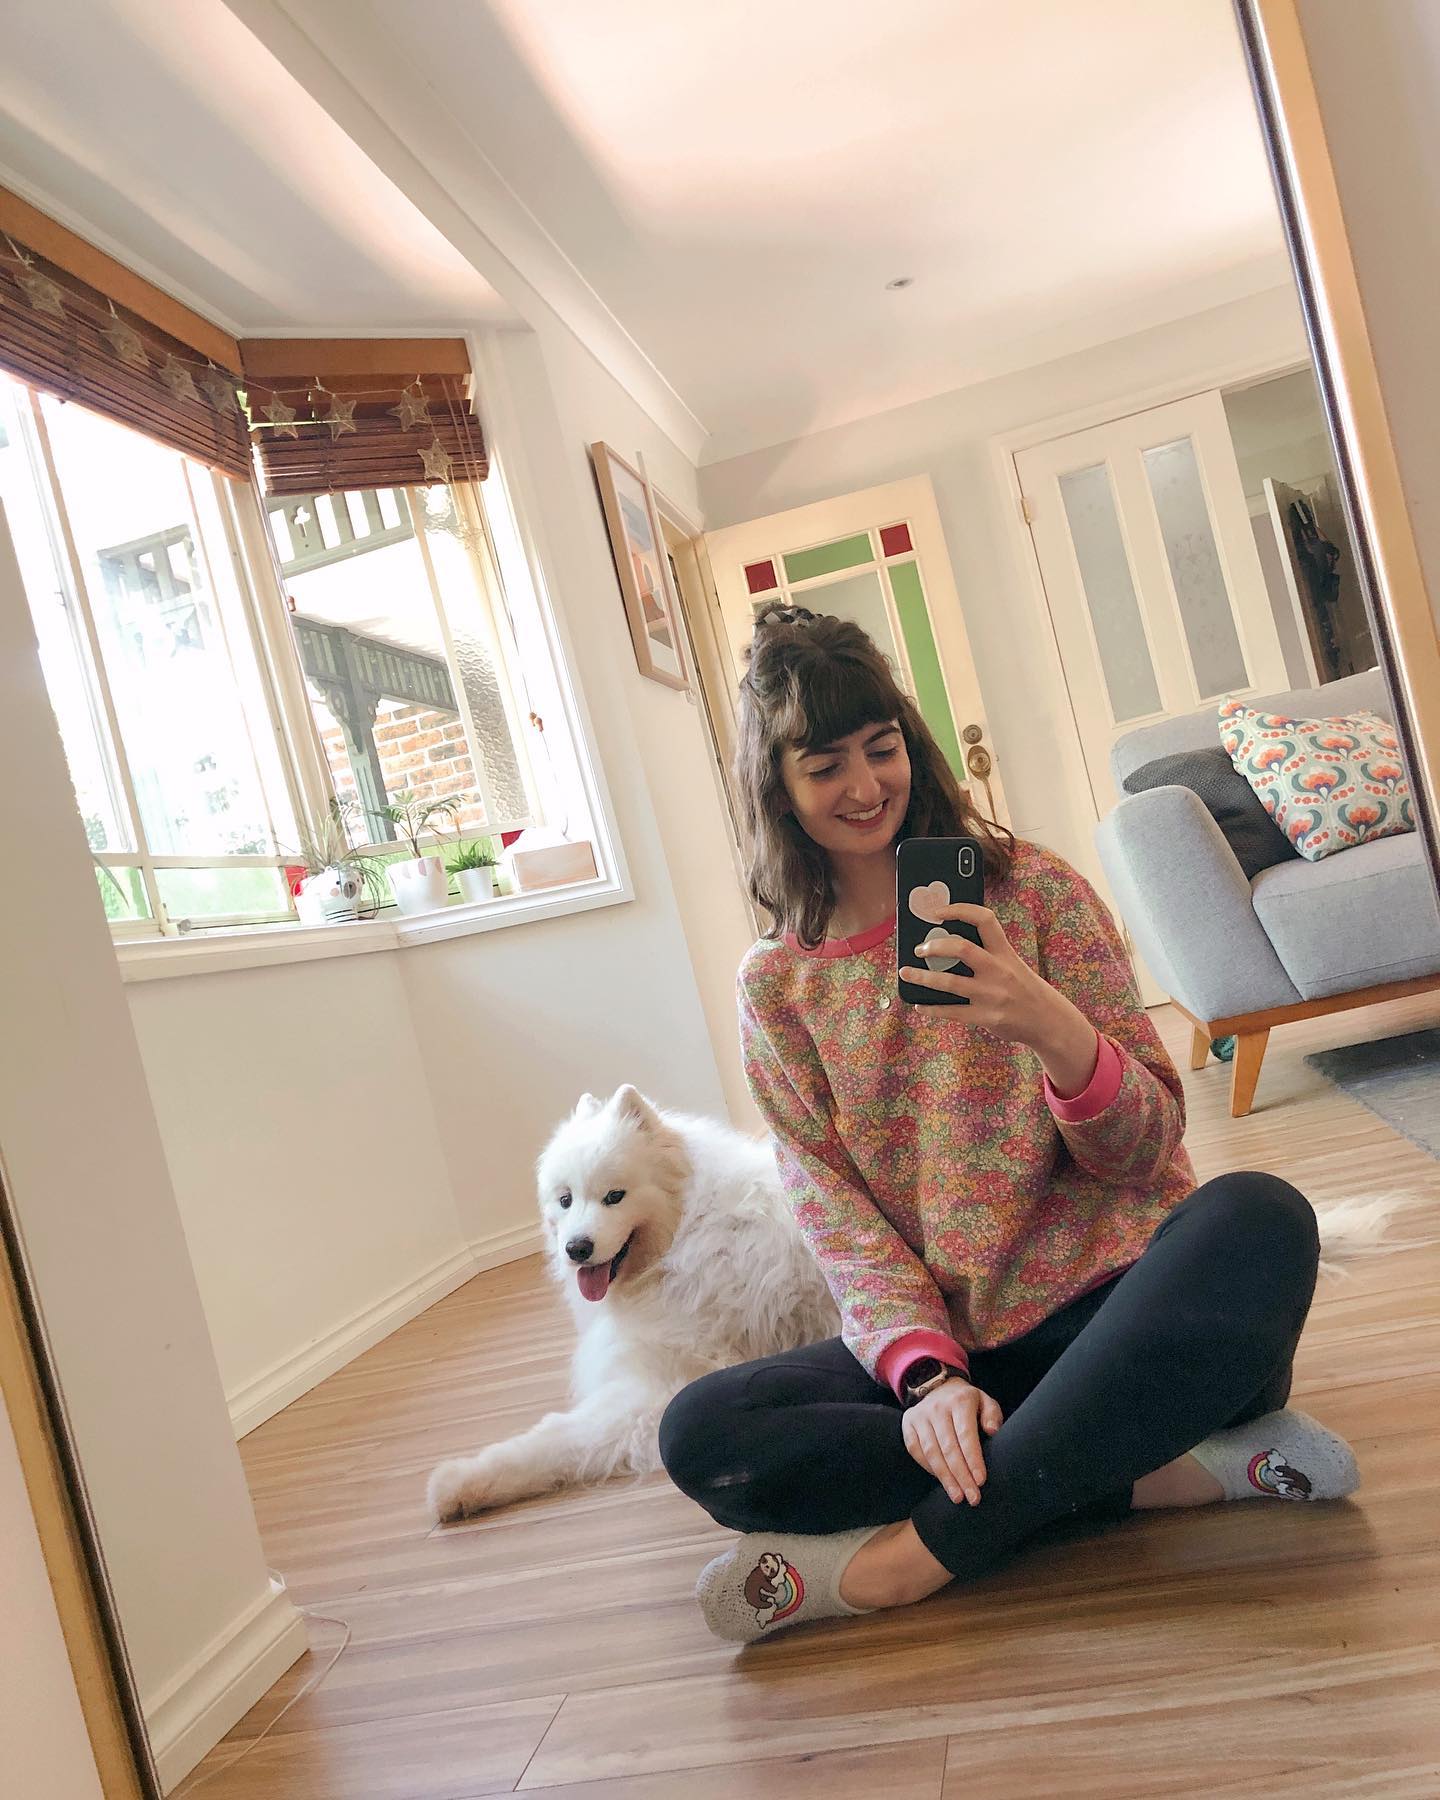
[420, 884]
[476, 884]
[330, 898]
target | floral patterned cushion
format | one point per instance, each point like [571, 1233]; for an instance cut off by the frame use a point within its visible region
[1327, 783]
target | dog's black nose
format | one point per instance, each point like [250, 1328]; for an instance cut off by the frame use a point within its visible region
[580, 1250]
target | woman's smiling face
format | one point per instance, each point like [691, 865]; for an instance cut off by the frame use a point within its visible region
[851, 796]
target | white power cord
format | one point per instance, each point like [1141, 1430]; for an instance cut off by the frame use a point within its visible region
[294, 1700]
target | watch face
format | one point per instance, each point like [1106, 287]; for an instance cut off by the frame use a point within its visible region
[926, 1369]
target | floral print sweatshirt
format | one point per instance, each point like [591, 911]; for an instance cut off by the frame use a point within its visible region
[951, 1197]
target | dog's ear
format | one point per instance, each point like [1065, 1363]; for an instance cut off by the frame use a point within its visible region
[631, 1104]
[587, 1106]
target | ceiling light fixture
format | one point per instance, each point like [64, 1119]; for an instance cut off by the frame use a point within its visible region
[900, 281]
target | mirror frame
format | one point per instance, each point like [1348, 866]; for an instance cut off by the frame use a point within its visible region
[1391, 573]
[1405, 637]
[69, 1542]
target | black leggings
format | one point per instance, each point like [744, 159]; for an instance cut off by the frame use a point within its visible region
[1198, 1334]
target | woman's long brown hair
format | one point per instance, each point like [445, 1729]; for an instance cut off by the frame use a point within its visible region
[811, 680]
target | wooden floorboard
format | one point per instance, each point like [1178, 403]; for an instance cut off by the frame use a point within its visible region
[1230, 1651]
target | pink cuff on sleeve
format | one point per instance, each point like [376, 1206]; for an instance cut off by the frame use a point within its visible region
[896, 1358]
[1103, 1086]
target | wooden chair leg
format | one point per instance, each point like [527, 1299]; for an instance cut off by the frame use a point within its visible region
[1249, 1054]
[1199, 1046]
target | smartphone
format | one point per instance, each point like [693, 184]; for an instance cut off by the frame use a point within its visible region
[931, 873]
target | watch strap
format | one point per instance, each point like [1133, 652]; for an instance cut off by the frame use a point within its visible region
[925, 1375]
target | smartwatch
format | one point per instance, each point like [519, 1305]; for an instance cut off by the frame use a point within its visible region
[923, 1376]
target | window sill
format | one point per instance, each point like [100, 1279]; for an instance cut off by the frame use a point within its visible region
[261, 946]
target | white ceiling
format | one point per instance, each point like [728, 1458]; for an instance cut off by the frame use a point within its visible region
[728, 188]
[737, 182]
[165, 131]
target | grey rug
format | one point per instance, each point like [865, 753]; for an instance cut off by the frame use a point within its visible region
[1398, 1078]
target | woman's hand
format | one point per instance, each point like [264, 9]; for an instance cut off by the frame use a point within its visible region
[942, 1433]
[1009, 999]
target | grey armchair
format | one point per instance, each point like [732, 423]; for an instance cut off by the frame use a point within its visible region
[1240, 957]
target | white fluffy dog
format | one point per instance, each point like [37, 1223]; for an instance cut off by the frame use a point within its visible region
[677, 1255]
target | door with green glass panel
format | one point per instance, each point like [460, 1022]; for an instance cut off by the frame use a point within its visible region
[879, 558]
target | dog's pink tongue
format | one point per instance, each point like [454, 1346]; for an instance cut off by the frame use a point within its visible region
[594, 1280]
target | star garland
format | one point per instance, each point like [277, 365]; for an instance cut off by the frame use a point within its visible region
[220, 392]
[45, 295]
[437, 461]
[281, 418]
[414, 408]
[125, 341]
[341, 416]
[202, 383]
[177, 377]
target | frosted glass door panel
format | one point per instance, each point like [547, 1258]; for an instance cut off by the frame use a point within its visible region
[1200, 590]
[1110, 593]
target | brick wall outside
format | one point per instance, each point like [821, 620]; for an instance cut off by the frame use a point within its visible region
[421, 751]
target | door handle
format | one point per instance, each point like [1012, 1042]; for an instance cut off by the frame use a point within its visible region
[979, 763]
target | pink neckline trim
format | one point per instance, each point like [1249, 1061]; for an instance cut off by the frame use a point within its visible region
[850, 946]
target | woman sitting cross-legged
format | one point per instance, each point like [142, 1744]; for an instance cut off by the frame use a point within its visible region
[1043, 1317]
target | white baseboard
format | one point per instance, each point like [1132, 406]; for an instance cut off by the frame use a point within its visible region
[507, 1246]
[287, 1380]
[220, 1685]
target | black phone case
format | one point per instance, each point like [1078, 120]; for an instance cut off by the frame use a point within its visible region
[958, 864]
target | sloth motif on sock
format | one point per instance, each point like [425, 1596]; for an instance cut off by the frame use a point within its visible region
[1285, 1455]
[776, 1579]
[774, 1589]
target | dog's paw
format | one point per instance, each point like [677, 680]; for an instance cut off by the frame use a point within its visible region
[457, 1489]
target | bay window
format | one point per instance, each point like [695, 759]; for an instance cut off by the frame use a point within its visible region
[166, 597]
[266, 597]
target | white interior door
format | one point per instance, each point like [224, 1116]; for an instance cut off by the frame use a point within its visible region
[1154, 584]
[877, 557]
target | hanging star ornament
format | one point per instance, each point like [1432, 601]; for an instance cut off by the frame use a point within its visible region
[45, 295]
[414, 408]
[126, 342]
[281, 417]
[178, 379]
[436, 460]
[220, 392]
[341, 416]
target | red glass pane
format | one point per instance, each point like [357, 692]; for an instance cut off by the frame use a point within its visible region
[895, 540]
[760, 577]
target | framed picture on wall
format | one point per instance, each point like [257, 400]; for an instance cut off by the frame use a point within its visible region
[640, 562]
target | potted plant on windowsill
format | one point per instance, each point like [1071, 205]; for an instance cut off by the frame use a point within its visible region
[473, 866]
[339, 883]
[419, 881]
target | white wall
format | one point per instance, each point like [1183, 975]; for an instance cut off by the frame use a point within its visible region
[44, 1750]
[1278, 429]
[305, 1154]
[88, 1180]
[949, 438]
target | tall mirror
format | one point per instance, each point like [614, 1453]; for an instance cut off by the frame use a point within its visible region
[408, 415]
